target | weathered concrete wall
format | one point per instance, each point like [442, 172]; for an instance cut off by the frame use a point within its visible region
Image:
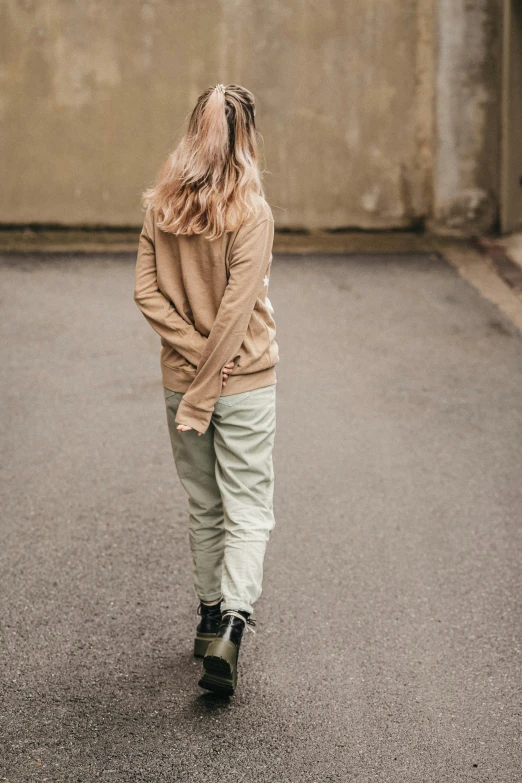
[468, 107]
[95, 94]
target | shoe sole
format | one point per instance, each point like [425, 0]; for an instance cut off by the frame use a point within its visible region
[220, 665]
[201, 643]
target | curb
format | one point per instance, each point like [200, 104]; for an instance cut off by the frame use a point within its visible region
[82, 241]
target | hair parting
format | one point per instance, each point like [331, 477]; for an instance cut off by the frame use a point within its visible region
[209, 182]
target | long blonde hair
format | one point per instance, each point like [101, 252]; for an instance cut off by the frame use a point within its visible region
[210, 180]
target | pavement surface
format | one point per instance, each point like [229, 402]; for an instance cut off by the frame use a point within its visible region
[389, 629]
[512, 244]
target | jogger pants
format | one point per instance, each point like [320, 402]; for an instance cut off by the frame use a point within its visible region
[229, 477]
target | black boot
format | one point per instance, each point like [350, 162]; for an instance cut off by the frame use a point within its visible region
[220, 661]
[207, 628]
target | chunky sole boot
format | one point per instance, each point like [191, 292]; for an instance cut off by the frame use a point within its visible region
[207, 628]
[220, 665]
[220, 661]
[201, 643]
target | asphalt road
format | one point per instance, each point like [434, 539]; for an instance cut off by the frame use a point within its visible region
[389, 630]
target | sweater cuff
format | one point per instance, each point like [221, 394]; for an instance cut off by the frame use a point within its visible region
[196, 418]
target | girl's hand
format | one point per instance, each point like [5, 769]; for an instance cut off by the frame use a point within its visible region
[227, 369]
[185, 428]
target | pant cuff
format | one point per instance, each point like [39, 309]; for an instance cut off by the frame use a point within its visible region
[237, 607]
[208, 599]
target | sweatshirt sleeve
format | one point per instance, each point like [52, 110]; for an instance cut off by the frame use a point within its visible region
[157, 308]
[249, 262]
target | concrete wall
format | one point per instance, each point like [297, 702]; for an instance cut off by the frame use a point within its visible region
[95, 94]
[467, 162]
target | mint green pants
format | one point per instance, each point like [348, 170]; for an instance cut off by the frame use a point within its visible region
[229, 477]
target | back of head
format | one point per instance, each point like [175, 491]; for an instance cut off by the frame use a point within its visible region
[211, 182]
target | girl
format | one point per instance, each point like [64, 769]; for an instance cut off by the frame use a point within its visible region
[202, 274]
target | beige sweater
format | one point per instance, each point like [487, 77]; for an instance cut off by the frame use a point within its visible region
[208, 302]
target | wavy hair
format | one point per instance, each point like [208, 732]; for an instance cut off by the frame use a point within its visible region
[209, 182]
